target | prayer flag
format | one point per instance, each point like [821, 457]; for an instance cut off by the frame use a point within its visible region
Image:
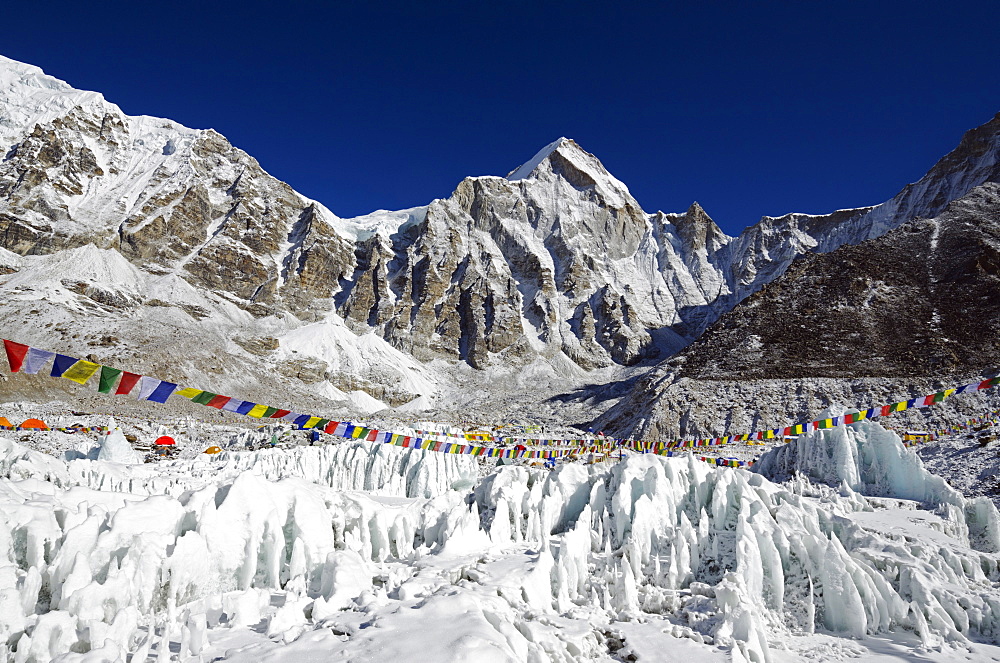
[204, 398]
[81, 371]
[257, 411]
[127, 383]
[62, 364]
[16, 353]
[245, 407]
[162, 392]
[147, 386]
[232, 405]
[108, 377]
[219, 402]
[35, 359]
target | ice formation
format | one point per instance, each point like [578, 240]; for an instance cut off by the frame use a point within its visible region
[114, 448]
[306, 548]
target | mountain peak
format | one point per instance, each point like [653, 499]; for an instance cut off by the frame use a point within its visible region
[696, 227]
[565, 159]
[525, 169]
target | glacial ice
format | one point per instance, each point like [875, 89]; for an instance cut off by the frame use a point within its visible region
[99, 559]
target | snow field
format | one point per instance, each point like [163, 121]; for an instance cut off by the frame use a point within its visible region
[375, 552]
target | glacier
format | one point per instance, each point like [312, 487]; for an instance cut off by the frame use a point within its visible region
[361, 551]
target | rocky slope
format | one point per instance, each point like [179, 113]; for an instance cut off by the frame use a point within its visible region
[922, 300]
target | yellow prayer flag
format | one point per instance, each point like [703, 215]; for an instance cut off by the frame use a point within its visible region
[257, 411]
[81, 371]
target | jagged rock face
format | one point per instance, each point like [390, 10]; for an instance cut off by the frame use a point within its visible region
[922, 300]
[556, 257]
[167, 197]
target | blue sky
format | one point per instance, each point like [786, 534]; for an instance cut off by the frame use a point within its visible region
[749, 108]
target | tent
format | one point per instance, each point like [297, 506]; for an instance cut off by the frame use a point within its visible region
[164, 440]
[34, 423]
[5, 423]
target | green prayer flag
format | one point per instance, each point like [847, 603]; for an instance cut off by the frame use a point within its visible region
[108, 377]
[203, 398]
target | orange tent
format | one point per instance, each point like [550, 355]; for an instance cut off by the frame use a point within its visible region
[34, 423]
[4, 422]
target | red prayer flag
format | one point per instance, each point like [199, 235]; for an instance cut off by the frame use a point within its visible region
[15, 354]
[127, 382]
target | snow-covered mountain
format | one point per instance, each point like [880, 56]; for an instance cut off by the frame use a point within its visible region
[556, 260]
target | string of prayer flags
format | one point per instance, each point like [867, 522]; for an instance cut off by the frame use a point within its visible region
[25, 359]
